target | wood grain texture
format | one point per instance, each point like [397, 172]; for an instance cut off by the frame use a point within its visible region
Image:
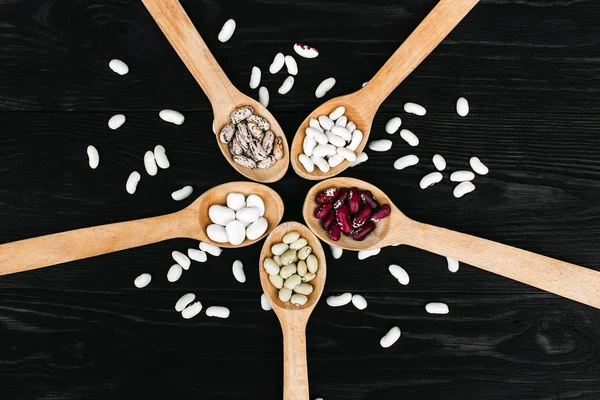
[82, 331]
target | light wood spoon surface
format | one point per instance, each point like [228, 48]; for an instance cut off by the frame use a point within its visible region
[191, 222]
[362, 105]
[223, 96]
[293, 319]
[564, 279]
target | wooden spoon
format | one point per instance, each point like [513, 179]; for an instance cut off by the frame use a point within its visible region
[223, 96]
[191, 222]
[362, 105]
[558, 277]
[293, 318]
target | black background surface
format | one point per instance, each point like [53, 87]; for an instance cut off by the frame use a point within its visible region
[82, 331]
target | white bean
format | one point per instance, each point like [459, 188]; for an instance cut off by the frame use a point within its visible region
[255, 77]
[351, 126]
[324, 150]
[192, 310]
[347, 154]
[160, 155]
[342, 121]
[220, 215]
[255, 201]
[462, 176]
[324, 87]
[142, 281]
[390, 338]
[150, 163]
[409, 137]
[299, 299]
[257, 228]
[277, 63]
[235, 201]
[430, 180]
[181, 259]
[184, 301]
[313, 123]
[238, 271]
[286, 86]
[364, 254]
[463, 188]
[478, 166]
[393, 125]
[217, 312]
[413, 108]
[291, 65]
[462, 107]
[380, 145]
[217, 233]
[326, 122]
[271, 266]
[320, 163]
[305, 51]
[318, 136]
[285, 294]
[308, 145]
[361, 158]
[227, 31]
[116, 121]
[197, 255]
[337, 113]
[335, 139]
[236, 232]
[365, 84]
[279, 248]
[172, 116]
[264, 303]
[359, 302]
[182, 193]
[335, 160]
[93, 157]
[338, 301]
[174, 273]
[452, 264]
[211, 249]
[341, 132]
[357, 137]
[263, 96]
[248, 215]
[437, 308]
[406, 161]
[439, 162]
[306, 162]
[132, 182]
[399, 273]
[118, 66]
[336, 252]
[214, 127]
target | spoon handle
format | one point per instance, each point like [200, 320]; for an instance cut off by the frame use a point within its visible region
[564, 279]
[446, 15]
[295, 369]
[191, 48]
[78, 244]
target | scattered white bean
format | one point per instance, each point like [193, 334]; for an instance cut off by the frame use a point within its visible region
[359, 302]
[365, 83]
[182, 193]
[172, 116]
[277, 63]
[462, 107]
[357, 137]
[478, 166]
[380, 145]
[174, 273]
[413, 108]
[257, 228]
[255, 201]
[255, 77]
[286, 86]
[263, 96]
[361, 158]
[184, 301]
[364, 254]
[116, 121]
[462, 176]
[439, 162]
[214, 127]
[335, 160]
[338, 301]
[393, 125]
[336, 252]
[406, 161]
[227, 31]
[238, 271]
[437, 308]
[181, 259]
[409, 137]
[192, 310]
[347, 154]
[197, 255]
[306, 162]
[390, 338]
[235, 201]
[160, 155]
[217, 233]
[399, 273]
[320, 163]
[453, 264]
[264, 303]
[118, 66]
[337, 113]
[150, 163]
[217, 311]
[430, 180]
[93, 157]
[463, 188]
[142, 281]
[211, 249]
[291, 65]
[305, 51]
[132, 182]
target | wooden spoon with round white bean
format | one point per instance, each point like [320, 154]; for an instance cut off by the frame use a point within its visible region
[191, 222]
[564, 279]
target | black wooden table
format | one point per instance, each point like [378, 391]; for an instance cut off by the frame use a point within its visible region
[530, 70]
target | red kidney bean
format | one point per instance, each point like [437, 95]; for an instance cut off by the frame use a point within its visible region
[364, 231]
[328, 220]
[341, 199]
[335, 232]
[362, 216]
[323, 209]
[343, 217]
[367, 198]
[354, 200]
[327, 195]
[381, 213]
